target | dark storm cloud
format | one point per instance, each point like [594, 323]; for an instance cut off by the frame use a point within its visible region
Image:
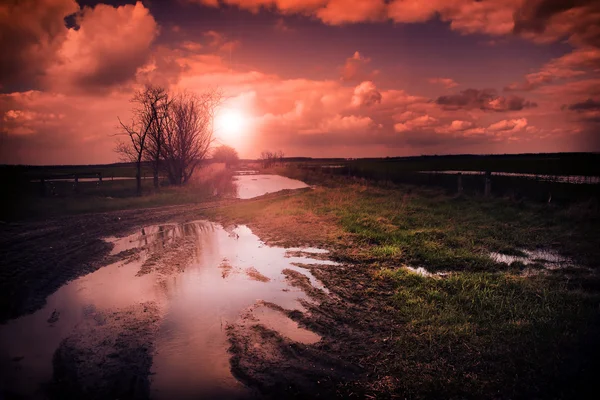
[485, 99]
[588, 105]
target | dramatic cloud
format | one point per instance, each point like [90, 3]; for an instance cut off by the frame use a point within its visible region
[84, 71]
[550, 20]
[107, 49]
[486, 99]
[31, 31]
[448, 83]
[467, 16]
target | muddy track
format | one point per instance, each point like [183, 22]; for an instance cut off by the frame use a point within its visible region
[38, 257]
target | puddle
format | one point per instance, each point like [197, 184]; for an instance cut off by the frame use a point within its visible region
[310, 250]
[246, 172]
[230, 270]
[547, 258]
[254, 185]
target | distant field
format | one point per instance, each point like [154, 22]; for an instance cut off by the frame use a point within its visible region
[547, 178]
[24, 197]
[29, 172]
[543, 164]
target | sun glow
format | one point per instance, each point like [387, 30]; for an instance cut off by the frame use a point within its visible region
[230, 124]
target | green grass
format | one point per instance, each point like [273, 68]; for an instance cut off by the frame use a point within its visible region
[492, 333]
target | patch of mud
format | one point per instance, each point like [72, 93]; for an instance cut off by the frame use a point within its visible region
[226, 268]
[108, 356]
[194, 274]
[276, 318]
[279, 367]
[255, 275]
[302, 282]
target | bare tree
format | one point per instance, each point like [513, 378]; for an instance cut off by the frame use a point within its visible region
[144, 116]
[226, 154]
[156, 133]
[266, 157]
[271, 157]
[189, 133]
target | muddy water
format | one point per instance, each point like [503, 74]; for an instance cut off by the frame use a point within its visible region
[229, 277]
[250, 186]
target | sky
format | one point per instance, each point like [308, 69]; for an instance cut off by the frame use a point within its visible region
[316, 78]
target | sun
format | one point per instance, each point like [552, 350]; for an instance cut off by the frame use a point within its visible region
[230, 123]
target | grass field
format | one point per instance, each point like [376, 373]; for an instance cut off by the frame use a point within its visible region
[484, 330]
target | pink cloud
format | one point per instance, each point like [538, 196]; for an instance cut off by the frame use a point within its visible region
[448, 83]
[337, 12]
[365, 95]
[31, 31]
[492, 17]
[423, 121]
[356, 68]
[579, 62]
[350, 124]
[512, 125]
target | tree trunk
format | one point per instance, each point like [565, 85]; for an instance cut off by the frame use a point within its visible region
[157, 165]
[138, 178]
[155, 173]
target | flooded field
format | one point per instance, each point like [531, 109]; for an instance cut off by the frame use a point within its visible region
[253, 185]
[162, 309]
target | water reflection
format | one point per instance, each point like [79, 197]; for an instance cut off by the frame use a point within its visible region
[196, 305]
[253, 185]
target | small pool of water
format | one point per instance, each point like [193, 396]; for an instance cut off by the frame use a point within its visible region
[250, 186]
[547, 258]
[227, 272]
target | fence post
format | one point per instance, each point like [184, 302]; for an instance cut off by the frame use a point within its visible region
[488, 184]
[100, 177]
[76, 184]
[460, 184]
[43, 187]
